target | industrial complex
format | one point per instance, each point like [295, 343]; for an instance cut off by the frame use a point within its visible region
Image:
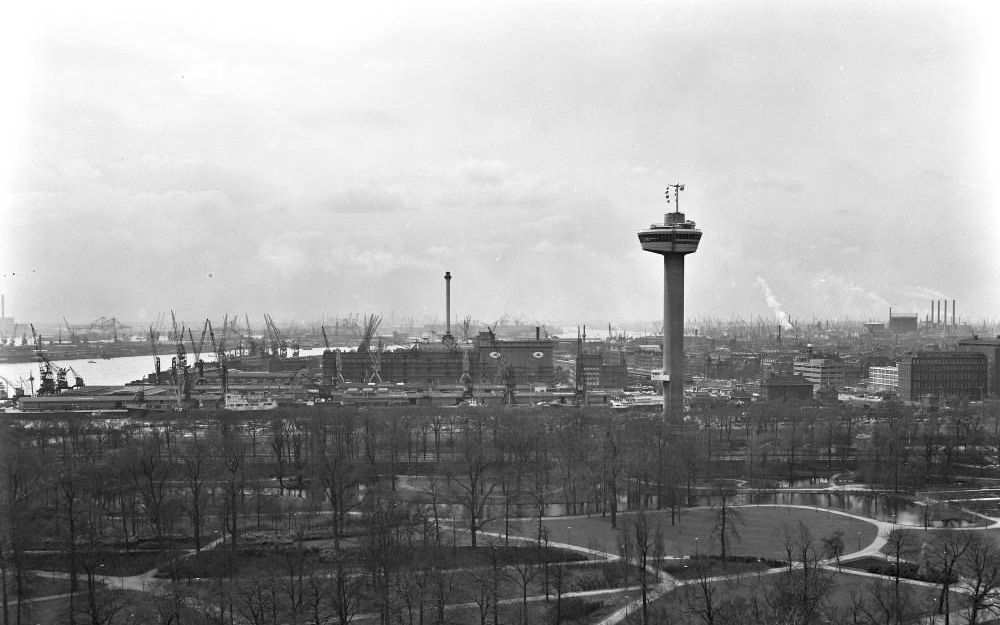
[932, 362]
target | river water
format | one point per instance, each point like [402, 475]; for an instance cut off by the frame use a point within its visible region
[101, 372]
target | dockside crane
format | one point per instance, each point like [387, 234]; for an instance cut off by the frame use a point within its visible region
[77, 378]
[220, 353]
[52, 379]
[73, 338]
[280, 342]
[180, 374]
[153, 335]
[372, 323]
[201, 341]
[17, 390]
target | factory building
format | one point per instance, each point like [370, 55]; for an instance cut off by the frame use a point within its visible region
[787, 387]
[598, 373]
[991, 349]
[902, 323]
[530, 361]
[952, 374]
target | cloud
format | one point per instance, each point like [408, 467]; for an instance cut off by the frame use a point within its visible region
[364, 201]
[484, 171]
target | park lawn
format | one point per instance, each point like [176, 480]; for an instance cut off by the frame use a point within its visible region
[762, 530]
[846, 590]
[282, 559]
[126, 606]
[711, 567]
[917, 537]
[107, 562]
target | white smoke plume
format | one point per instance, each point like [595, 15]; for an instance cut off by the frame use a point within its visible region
[774, 304]
[923, 292]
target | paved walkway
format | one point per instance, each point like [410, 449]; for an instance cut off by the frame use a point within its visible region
[664, 583]
[140, 582]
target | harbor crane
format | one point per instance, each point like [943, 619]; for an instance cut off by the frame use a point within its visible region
[220, 354]
[279, 340]
[372, 323]
[11, 388]
[74, 338]
[153, 336]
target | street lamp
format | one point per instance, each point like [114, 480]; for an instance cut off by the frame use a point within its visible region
[696, 546]
[627, 599]
[859, 540]
[569, 530]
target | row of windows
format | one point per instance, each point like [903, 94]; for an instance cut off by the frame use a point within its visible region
[668, 236]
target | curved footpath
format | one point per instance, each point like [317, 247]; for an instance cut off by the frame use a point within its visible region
[664, 582]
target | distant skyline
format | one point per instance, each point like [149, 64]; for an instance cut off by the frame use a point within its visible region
[841, 158]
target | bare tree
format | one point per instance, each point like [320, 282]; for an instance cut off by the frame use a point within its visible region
[700, 596]
[336, 596]
[523, 573]
[19, 481]
[474, 488]
[257, 599]
[901, 544]
[726, 520]
[150, 472]
[196, 466]
[944, 553]
[980, 568]
[645, 544]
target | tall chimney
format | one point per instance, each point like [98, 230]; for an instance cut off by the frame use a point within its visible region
[447, 303]
[945, 311]
[954, 320]
[939, 312]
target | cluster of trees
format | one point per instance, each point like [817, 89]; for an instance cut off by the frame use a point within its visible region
[75, 489]
[807, 592]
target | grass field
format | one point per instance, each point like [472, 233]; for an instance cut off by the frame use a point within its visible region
[847, 594]
[762, 530]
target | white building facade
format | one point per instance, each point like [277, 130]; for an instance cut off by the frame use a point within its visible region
[883, 379]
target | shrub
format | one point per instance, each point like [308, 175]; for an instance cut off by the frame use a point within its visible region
[574, 609]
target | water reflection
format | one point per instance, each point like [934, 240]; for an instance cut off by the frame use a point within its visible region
[881, 506]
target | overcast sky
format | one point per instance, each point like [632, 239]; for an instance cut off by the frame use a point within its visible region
[840, 158]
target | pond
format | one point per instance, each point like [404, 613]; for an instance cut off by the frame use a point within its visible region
[881, 506]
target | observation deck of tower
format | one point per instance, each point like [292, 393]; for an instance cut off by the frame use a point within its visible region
[673, 239]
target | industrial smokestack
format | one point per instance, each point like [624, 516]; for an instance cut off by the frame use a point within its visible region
[945, 311]
[954, 319]
[939, 312]
[447, 303]
[538, 333]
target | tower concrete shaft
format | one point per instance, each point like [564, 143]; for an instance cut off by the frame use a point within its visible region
[673, 336]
